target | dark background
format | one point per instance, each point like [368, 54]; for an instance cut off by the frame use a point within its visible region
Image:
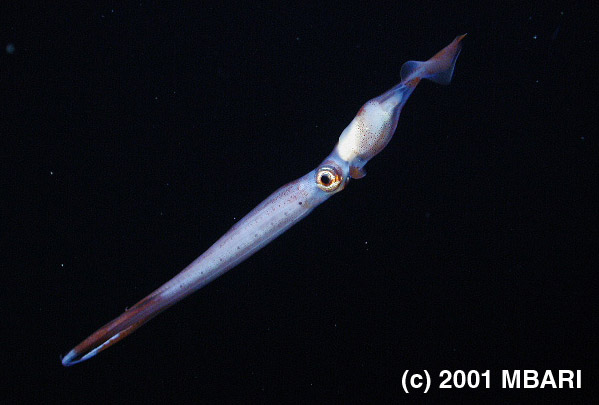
[136, 134]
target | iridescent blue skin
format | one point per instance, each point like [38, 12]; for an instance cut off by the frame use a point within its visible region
[368, 133]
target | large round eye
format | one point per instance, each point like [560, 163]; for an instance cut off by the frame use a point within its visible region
[328, 179]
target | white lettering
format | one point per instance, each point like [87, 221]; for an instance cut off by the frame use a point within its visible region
[507, 382]
[548, 380]
[531, 379]
[563, 379]
[413, 382]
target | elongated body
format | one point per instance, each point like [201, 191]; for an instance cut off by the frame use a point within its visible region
[368, 133]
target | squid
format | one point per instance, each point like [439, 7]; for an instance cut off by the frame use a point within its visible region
[366, 135]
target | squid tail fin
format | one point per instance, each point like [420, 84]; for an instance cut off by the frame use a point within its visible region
[438, 69]
[117, 329]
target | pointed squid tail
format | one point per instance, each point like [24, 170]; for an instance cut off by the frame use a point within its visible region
[438, 69]
[118, 328]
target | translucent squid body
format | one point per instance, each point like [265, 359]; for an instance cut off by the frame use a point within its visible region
[368, 133]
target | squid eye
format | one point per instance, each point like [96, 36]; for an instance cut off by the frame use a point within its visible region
[328, 179]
